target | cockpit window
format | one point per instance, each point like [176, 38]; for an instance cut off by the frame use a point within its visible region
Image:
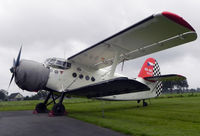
[52, 61]
[64, 63]
[68, 65]
[58, 63]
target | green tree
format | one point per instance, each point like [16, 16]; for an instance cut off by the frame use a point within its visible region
[175, 86]
[2, 95]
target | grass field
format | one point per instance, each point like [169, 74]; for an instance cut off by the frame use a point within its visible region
[170, 115]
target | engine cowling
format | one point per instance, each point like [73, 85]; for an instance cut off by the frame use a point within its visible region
[31, 75]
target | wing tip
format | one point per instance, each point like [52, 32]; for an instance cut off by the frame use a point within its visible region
[176, 18]
[181, 76]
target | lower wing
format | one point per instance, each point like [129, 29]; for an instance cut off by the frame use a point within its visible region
[114, 86]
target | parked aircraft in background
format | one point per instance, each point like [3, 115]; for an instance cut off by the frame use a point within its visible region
[84, 75]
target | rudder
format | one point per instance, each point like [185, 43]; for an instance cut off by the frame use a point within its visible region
[151, 68]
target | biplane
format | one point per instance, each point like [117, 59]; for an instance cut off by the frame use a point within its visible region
[86, 74]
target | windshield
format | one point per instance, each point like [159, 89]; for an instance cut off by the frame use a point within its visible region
[52, 61]
[58, 63]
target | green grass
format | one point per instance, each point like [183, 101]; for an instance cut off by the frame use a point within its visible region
[17, 105]
[170, 115]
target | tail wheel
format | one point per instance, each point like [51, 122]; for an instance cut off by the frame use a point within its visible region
[58, 109]
[145, 104]
[41, 108]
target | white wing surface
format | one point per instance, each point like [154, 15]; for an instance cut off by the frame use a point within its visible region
[155, 33]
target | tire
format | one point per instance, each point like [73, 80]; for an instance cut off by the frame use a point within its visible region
[145, 104]
[58, 109]
[41, 108]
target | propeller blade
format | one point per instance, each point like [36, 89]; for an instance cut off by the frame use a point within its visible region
[15, 65]
[14, 62]
[18, 57]
[11, 80]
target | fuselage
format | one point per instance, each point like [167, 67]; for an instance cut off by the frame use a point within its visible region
[76, 76]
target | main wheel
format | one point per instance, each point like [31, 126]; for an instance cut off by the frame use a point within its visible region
[41, 108]
[58, 109]
[145, 104]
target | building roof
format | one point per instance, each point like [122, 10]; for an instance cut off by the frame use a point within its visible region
[14, 95]
[4, 91]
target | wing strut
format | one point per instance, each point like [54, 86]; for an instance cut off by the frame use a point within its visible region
[114, 64]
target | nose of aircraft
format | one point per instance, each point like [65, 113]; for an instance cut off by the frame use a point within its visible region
[29, 75]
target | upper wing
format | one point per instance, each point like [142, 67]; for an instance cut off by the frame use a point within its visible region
[114, 86]
[171, 77]
[155, 33]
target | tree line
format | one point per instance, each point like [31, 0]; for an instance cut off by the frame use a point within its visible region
[40, 95]
[178, 87]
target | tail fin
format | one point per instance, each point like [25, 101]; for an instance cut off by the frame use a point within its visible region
[151, 68]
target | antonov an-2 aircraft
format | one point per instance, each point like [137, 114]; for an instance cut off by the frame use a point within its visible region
[84, 73]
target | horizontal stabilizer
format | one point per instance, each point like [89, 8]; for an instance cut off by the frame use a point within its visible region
[114, 86]
[170, 77]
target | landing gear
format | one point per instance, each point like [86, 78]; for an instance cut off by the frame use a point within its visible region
[144, 103]
[58, 108]
[41, 108]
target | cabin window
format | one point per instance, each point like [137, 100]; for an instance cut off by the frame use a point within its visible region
[92, 79]
[87, 77]
[81, 76]
[74, 75]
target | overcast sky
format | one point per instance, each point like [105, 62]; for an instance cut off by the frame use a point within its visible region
[58, 28]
